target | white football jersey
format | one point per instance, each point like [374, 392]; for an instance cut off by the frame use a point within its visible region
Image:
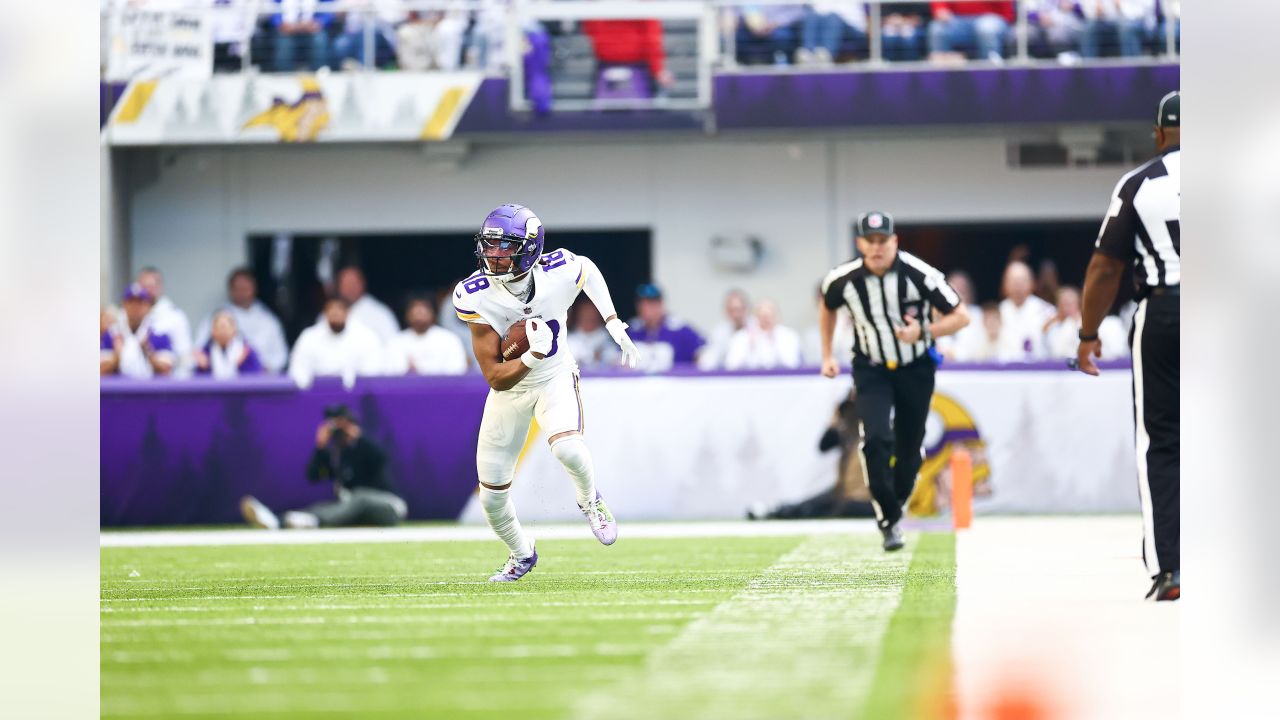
[556, 284]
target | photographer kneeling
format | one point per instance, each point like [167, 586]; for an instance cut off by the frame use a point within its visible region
[357, 466]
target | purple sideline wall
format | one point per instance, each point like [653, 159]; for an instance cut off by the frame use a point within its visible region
[176, 452]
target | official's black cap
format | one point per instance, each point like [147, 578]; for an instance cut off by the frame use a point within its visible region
[1169, 114]
[875, 222]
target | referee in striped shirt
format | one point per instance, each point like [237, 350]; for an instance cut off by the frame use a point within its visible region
[1142, 231]
[891, 296]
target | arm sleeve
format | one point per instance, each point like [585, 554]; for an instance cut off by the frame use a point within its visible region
[1116, 238]
[833, 291]
[933, 282]
[596, 288]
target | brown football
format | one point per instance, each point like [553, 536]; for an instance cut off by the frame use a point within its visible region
[516, 342]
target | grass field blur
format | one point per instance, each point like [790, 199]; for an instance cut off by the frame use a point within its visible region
[744, 627]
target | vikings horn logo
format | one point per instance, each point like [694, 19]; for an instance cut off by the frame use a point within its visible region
[300, 121]
[933, 488]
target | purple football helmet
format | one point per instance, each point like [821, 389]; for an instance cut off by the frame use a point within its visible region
[511, 231]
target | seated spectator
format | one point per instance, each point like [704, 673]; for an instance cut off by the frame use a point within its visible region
[106, 318]
[768, 34]
[168, 318]
[628, 45]
[976, 28]
[664, 341]
[986, 347]
[133, 346]
[1115, 27]
[827, 26]
[967, 343]
[232, 23]
[737, 315]
[589, 342]
[1022, 317]
[349, 46]
[1062, 332]
[226, 355]
[902, 36]
[335, 346]
[424, 348]
[299, 29]
[1055, 29]
[365, 308]
[431, 40]
[259, 326]
[357, 467]
[767, 346]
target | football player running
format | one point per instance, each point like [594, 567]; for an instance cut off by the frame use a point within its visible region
[515, 282]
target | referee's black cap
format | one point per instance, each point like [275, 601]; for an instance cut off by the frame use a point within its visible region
[1169, 114]
[874, 221]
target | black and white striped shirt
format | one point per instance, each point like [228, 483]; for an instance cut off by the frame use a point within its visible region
[1143, 222]
[910, 288]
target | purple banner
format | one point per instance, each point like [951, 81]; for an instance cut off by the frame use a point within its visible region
[183, 452]
[834, 99]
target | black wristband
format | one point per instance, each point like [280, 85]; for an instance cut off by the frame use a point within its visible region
[1088, 338]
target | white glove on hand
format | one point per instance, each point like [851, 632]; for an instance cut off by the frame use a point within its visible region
[540, 338]
[618, 331]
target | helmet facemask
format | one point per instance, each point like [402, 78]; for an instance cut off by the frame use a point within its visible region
[490, 250]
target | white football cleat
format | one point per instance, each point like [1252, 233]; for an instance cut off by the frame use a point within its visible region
[257, 514]
[601, 520]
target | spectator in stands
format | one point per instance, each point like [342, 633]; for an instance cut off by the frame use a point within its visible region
[737, 315]
[1047, 281]
[1022, 317]
[168, 318]
[664, 340]
[348, 51]
[767, 346]
[133, 346]
[357, 467]
[828, 25]
[232, 23]
[1055, 29]
[431, 40]
[978, 28]
[968, 343]
[260, 327]
[1115, 27]
[1062, 332]
[903, 30]
[986, 348]
[424, 348]
[365, 308]
[625, 47]
[768, 34]
[588, 340]
[226, 354]
[300, 29]
[336, 345]
[106, 318]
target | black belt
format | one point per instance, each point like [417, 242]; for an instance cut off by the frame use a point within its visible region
[1163, 290]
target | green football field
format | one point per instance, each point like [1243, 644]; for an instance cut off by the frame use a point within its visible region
[818, 626]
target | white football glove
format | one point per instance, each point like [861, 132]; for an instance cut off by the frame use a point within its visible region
[540, 338]
[618, 331]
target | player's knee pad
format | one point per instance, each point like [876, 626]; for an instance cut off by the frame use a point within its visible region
[572, 453]
[494, 466]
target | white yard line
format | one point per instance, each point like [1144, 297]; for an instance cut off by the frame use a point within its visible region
[800, 641]
[575, 531]
[1050, 616]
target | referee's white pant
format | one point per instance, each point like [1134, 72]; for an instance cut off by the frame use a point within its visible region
[1155, 402]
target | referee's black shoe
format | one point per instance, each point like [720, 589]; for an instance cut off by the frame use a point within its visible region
[1166, 586]
[892, 536]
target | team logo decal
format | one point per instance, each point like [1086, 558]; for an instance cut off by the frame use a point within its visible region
[299, 121]
[950, 428]
[875, 220]
[532, 227]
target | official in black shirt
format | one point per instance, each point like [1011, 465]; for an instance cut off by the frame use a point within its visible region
[1142, 231]
[356, 465]
[892, 296]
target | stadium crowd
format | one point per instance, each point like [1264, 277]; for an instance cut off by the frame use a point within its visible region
[288, 35]
[356, 334]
